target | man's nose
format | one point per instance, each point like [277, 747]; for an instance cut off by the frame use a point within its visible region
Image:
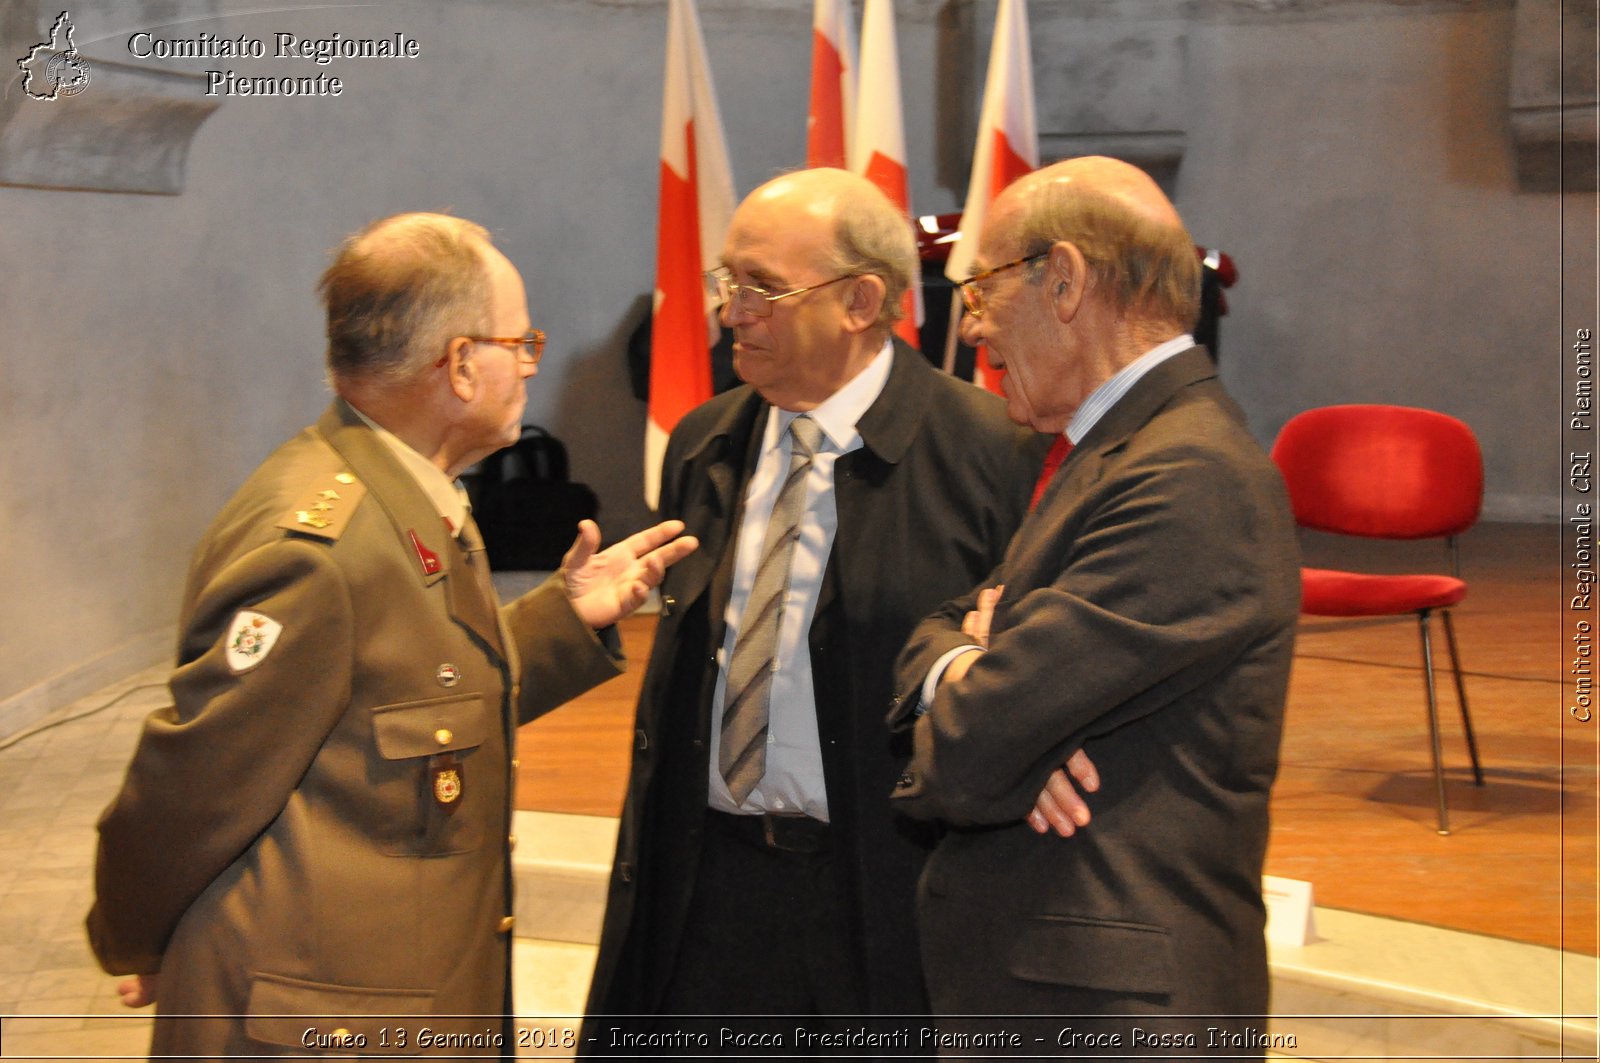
[733, 312]
[970, 330]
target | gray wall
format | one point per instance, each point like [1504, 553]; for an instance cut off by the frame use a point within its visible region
[1352, 157]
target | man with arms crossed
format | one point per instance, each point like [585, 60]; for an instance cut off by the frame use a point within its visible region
[1144, 613]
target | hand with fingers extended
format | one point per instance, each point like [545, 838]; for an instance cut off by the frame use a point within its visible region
[607, 585]
[1061, 807]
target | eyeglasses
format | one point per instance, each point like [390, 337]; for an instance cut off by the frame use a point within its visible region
[972, 296]
[529, 346]
[757, 302]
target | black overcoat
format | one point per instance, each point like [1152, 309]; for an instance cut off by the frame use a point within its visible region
[926, 507]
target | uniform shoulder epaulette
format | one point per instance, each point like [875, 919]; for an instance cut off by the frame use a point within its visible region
[325, 511]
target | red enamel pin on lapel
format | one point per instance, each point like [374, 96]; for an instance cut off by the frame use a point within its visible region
[429, 559]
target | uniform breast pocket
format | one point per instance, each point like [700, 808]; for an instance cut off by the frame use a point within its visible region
[437, 759]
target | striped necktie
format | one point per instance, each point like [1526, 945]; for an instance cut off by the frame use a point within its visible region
[747, 698]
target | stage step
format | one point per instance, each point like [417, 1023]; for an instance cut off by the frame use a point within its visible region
[1366, 988]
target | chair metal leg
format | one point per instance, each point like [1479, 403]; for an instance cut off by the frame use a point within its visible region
[1461, 697]
[1433, 719]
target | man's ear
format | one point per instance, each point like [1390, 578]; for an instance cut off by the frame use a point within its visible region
[1066, 280]
[864, 302]
[461, 368]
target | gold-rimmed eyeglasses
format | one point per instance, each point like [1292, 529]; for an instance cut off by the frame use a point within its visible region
[757, 302]
[529, 346]
[972, 296]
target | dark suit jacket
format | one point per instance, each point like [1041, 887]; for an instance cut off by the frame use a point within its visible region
[1148, 617]
[276, 850]
[925, 509]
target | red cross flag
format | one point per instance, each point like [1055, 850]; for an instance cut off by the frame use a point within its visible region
[696, 204]
[833, 84]
[1007, 147]
[879, 149]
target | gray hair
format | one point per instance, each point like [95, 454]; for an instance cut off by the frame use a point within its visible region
[872, 235]
[399, 290]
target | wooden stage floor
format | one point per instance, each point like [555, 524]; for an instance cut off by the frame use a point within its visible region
[1353, 809]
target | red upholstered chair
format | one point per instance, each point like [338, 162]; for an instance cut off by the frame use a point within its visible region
[1388, 472]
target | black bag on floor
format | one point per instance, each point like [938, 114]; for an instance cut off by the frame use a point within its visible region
[525, 506]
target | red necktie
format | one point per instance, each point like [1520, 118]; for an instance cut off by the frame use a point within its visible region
[1052, 461]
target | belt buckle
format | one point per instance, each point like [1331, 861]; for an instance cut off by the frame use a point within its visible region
[788, 833]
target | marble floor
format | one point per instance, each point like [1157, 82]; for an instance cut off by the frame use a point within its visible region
[54, 781]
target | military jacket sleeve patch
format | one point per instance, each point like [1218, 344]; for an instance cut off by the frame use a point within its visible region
[251, 637]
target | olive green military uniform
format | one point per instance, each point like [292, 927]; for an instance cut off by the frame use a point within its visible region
[312, 841]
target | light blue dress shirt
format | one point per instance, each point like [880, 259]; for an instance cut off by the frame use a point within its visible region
[793, 782]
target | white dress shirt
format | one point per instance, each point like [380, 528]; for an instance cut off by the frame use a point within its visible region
[447, 495]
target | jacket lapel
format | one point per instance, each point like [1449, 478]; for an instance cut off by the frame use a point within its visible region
[887, 430]
[719, 469]
[1131, 413]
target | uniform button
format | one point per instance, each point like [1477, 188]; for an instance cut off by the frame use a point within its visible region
[896, 699]
[515, 763]
[511, 841]
[507, 923]
[443, 736]
[904, 782]
[641, 741]
[699, 743]
[625, 872]
[668, 604]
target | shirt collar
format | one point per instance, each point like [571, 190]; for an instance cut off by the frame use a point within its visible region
[839, 413]
[446, 495]
[1107, 395]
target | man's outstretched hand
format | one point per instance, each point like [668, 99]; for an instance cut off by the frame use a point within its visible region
[607, 586]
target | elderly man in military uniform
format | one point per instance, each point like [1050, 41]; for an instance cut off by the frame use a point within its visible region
[311, 846]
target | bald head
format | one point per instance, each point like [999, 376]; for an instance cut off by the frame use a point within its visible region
[399, 289]
[1140, 256]
[870, 235]
[1125, 184]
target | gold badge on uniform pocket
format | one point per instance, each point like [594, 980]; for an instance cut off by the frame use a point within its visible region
[446, 781]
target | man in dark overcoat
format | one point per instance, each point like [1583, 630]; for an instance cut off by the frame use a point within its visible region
[769, 875]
